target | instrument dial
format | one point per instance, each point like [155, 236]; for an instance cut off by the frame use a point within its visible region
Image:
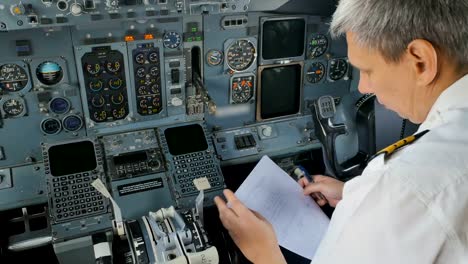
[13, 78]
[98, 101]
[13, 107]
[241, 55]
[113, 66]
[95, 85]
[338, 69]
[49, 73]
[51, 126]
[140, 58]
[155, 89]
[172, 40]
[119, 113]
[117, 99]
[315, 72]
[153, 57]
[154, 71]
[93, 69]
[142, 90]
[100, 116]
[242, 89]
[72, 123]
[59, 105]
[318, 45]
[115, 83]
[214, 57]
[141, 72]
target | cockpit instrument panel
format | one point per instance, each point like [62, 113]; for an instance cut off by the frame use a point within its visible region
[240, 55]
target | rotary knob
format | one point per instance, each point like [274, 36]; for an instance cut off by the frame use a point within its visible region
[76, 9]
[176, 101]
[267, 131]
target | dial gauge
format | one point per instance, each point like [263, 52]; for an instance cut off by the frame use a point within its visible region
[93, 69]
[172, 40]
[154, 71]
[51, 126]
[318, 45]
[13, 107]
[72, 123]
[338, 69]
[140, 58]
[241, 55]
[49, 73]
[242, 89]
[113, 66]
[315, 72]
[153, 57]
[214, 57]
[13, 78]
[59, 105]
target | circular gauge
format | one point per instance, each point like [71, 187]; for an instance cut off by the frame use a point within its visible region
[153, 57]
[154, 71]
[172, 40]
[115, 83]
[51, 126]
[119, 113]
[318, 45]
[140, 58]
[113, 66]
[338, 69]
[13, 78]
[72, 123]
[240, 55]
[59, 105]
[143, 104]
[155, 89]
[49, 73]
[142, 90]
[14, 107]
[242, 89]
[100, 116]
[214, 57]
[93, 69]
[117, 99]
[141, 72]
[95, 85]
[315, 72]
[98, 101]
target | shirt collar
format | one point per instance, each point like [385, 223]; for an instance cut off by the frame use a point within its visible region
[455, 96]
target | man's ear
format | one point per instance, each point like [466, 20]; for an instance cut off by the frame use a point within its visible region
[424, 61]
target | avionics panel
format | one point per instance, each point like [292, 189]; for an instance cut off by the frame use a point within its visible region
[70, 167]
[282, 39]
[186, 139]
[279, 91]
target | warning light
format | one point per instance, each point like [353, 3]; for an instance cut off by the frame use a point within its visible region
[149, 36]
[129, 38]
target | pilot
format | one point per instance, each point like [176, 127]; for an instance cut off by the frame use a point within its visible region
[410, 206]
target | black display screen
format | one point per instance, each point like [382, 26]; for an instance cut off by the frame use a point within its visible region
[72, 158]
[283, 38]
[280, 91]
[130, 158]
[185, 139]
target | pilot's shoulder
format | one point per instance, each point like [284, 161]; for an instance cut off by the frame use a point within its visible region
[435, 162]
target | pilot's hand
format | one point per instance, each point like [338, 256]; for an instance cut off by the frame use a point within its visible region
[251, 232]
[330, 188]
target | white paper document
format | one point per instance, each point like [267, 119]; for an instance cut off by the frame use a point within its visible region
[298, 221]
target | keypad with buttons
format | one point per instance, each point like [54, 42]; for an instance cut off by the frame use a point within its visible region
[73, 196]
[192, 166]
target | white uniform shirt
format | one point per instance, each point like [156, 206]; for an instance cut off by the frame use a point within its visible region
[412, 208]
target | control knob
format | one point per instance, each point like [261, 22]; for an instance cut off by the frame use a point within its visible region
[267, 131]
[76, 9]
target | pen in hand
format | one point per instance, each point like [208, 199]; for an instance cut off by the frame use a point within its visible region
[300, 172]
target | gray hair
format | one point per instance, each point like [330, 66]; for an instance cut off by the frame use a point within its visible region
[390, 25]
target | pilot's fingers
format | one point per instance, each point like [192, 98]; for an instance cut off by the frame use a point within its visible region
[259, 216]
[318, 178]
[237, 206]
[321, 202]
[314, 188]
[226, 215]
[303, 182]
